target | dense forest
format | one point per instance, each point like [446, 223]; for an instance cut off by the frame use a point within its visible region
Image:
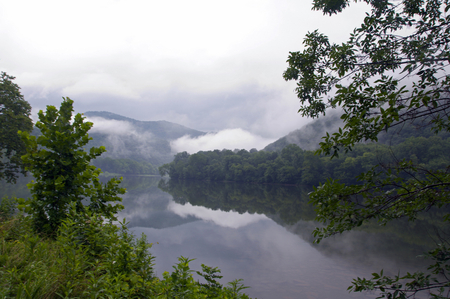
[293, 165]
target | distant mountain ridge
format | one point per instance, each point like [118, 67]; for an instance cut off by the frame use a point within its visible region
[161, 128]
[309, 136]
[147, 141]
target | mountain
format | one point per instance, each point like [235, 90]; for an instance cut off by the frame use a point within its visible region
[127, 138]
[309, 136]
[160, 129]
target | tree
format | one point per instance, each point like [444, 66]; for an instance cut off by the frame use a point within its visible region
[62, 171]
[392, 71]
[364, 72]
[14, 116]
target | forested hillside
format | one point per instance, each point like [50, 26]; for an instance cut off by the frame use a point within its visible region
[309, 136]
[293, 165]
[141, 141]
[160, 129]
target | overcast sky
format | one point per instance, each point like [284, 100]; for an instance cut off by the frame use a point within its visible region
[207, 64]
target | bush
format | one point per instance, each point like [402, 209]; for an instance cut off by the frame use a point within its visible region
[91, 258]
[7, 207]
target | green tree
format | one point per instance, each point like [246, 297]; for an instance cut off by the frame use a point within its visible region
[14, 116]
[312, 170]
[62, 171]
[392, 71]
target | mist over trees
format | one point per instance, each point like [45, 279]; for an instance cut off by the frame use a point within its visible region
[309, 136]
[391, 74]
[133, 147]
[141, 141]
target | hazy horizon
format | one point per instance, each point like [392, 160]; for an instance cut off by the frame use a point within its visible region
[213, 66]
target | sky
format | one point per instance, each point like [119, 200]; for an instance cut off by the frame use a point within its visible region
[211, 65]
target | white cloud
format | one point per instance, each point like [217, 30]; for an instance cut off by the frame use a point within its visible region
[221, 218]
[225, 139]
[209, 65]
[199, 44]
[105, 84]
[111, 126]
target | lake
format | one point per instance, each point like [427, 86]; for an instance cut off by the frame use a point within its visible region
[262, 234]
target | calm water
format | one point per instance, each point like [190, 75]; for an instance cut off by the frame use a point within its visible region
[262, 234]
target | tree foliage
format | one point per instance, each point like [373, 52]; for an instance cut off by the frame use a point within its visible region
[14, 116]
[392, 71]
[292, 165]
[62, 170]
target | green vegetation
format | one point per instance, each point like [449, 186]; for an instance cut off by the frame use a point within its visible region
[62, 171]
[295, 166]
[67, 245]
[124, 166]
[309, 136]
[14, 116]
[19, 189]
[91, 258]
[392, 71]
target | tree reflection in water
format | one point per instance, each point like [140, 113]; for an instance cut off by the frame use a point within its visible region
[252, 232]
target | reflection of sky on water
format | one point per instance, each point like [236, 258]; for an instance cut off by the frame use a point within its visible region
[270, 259]
[274, 262]
[221, 218]
[278, 260]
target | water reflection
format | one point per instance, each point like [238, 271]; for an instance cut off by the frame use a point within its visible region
[269, 259]
[225, 219]
[263, 235]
